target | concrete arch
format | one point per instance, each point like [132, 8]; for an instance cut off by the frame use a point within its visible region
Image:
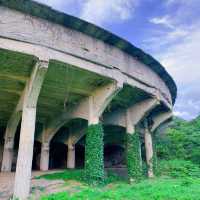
[160, 119]
[90, 109]
[132, 116]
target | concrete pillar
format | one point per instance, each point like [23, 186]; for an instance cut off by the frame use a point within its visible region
[9, 137]
[44, 157]
[130, 128]
[71, 156]
[25, 154]
[26, 143]
[133, 151]
[7, 155]
[149, 150]
[140, 153]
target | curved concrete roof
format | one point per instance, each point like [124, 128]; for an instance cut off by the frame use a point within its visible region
[47, 13]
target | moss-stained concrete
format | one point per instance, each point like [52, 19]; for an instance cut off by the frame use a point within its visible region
[15, 70]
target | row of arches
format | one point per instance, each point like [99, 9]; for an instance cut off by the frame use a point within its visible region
[114, 150]
[114, 156]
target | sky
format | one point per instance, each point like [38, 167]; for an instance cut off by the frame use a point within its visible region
[169, 30]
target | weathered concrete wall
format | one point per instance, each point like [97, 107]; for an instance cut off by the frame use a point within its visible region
[47, 34]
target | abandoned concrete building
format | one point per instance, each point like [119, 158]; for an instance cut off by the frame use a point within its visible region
[61, 79]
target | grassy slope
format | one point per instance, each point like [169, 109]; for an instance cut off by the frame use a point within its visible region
[163, 188]
[177, 179]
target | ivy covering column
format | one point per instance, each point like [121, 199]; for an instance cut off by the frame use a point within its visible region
[133, 157]
[94, 163]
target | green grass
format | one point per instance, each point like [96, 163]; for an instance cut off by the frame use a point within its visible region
[158, 189]
[178, 180]
[79, 175]
[65, 175]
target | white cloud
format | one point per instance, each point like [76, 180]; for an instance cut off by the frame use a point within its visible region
[183, 114]
[168, 33]
[100, 12]
[164, 20]
[182, 60]
[176, 45]
[185, 2]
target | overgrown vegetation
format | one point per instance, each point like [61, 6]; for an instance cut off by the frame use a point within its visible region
[94, 164]
[133, 157]
[178, 172]
[156, 189]
[178, 169]
[77, 175]
[181, 141]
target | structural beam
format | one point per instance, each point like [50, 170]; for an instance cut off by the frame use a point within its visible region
[75, 135]
[94, 164]
[160, 119]
[132, 116]
[25, 152]
[90, 108]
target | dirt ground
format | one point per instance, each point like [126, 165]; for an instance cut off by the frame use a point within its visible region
[38, 186]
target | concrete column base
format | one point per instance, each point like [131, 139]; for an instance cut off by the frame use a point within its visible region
[25, 154]
[71, 157]
[7, 159]
[149, 152]
[44, 159]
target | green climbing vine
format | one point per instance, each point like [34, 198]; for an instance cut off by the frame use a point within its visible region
[94, 163]
[133, 157]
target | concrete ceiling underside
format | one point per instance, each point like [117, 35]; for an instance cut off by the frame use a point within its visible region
[64, 86]
[127, 97]
[15, 70]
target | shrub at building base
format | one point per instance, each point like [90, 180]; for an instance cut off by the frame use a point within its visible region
[94, 164]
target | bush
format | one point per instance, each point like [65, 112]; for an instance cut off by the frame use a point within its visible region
[178, 169]
[181, 141]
